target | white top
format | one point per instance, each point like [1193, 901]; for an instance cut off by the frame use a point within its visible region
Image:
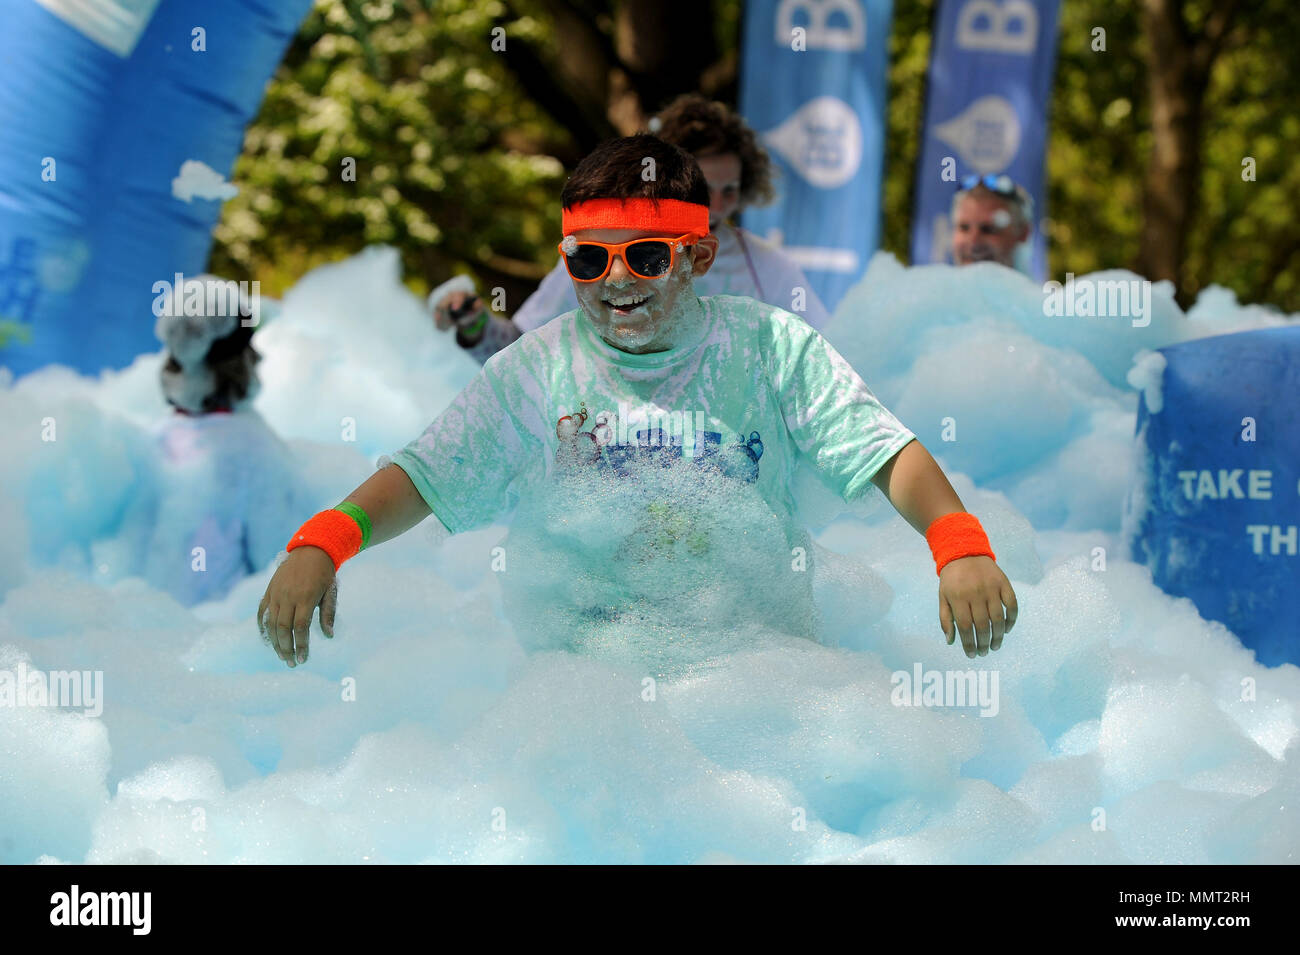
[746, 265]
[226, 485]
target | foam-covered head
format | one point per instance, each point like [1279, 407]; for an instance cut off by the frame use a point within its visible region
[211, 364]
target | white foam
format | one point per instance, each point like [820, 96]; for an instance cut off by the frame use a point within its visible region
[431, 729]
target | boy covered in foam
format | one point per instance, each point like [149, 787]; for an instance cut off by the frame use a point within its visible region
[647, 438]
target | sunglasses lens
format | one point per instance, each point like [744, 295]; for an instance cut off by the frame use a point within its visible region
[650, 259]
[588, 262]
[1002, 185]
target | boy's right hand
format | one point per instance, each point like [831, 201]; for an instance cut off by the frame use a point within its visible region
[304, 581]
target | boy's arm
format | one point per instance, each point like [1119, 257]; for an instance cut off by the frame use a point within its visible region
[391, 502]
[916, 486]
[305, 580]
[974, 594]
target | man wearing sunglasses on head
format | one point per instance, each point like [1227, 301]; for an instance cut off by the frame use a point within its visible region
[991, 220]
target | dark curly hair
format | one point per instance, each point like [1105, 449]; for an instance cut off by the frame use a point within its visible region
[705, 127]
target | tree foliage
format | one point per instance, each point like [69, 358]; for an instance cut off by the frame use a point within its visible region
[462, 117]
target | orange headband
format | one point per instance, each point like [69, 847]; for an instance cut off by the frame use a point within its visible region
[645, 215]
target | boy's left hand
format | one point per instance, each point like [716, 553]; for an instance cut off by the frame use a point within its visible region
[973, 593]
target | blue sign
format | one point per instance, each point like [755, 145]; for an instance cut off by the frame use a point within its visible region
[1215, 511]
[986, 112]
[813, 88]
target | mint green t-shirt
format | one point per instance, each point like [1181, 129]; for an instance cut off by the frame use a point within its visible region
[665, 442]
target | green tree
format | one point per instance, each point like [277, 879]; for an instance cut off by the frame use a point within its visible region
[390, 123]
[463, 117]
[458, 120]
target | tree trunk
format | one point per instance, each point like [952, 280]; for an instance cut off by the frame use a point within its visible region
[664, 48]
[611, 83]
[574, 88]
[1178, 71]
[1173, 169]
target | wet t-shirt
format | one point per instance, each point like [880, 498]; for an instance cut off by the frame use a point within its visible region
[656, 479]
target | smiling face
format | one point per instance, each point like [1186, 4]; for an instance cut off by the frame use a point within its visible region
[639, 315]
[984, 230]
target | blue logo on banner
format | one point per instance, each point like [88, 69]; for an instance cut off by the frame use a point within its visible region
[813, 87]
[986, 112]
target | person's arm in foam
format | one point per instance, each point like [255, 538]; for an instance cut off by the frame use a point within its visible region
[305, 580]
[852, 439]
[461, 468]
[975, 596]
[391, 502]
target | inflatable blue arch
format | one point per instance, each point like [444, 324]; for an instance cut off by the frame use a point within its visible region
[104, 101]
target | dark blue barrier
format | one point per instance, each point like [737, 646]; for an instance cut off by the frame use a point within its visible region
[1215, 511]
[103, 101]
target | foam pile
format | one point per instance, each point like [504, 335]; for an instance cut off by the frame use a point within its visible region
[1115, 725]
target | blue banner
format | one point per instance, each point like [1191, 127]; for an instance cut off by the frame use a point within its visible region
[989, 88]
[813, 88]
[123, 119]
[1214, 510]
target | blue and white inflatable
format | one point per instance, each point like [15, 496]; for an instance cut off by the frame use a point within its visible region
[122, 120]
[1215, 507]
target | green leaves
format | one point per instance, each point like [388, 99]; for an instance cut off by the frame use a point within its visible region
[454, 161]
[386, 123]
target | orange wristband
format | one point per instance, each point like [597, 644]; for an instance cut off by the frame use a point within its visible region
[334, 532]
[954, 535]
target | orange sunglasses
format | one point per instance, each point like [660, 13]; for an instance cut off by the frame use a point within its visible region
[591, 261]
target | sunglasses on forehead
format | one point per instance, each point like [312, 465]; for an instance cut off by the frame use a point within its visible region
[1002, 185]
[645, 258]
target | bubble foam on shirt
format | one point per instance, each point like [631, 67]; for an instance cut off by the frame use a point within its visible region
[662, 561]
